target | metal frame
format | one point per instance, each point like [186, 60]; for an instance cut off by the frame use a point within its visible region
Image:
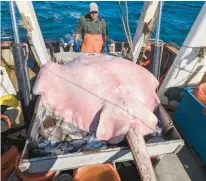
[75, 160]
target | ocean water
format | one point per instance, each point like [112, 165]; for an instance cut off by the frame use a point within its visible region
[58, 19]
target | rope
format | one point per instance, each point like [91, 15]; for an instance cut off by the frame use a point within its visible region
[183, 68]
[189, 71]
[125, 29]
[127, 21]
[191, 47]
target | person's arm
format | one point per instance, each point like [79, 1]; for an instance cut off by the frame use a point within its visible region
[79, 30]
[104, 31]
[77, 34]
[105, 38]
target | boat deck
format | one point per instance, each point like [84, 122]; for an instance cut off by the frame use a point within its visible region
[182, 166]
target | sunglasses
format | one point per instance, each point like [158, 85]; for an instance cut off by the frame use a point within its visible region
[93, 12]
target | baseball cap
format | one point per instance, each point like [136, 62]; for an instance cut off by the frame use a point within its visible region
[93, 7]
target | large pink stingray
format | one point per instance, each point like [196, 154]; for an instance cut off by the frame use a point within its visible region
[101, 94]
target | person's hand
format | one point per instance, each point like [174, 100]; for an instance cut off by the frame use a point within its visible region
[105, 48]
[76, 46]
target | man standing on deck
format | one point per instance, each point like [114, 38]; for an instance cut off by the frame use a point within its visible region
[93, 30]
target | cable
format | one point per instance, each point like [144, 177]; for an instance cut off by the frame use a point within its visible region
[128, 29]
[189, 71]
[125, 29]
[124, 26]
[190, 46]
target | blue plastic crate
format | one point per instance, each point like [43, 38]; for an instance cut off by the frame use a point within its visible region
[191, 121]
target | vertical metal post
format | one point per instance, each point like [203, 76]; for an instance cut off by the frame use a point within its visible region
[14, 24]
[158, 23]
[156, 57]
[20, 53]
